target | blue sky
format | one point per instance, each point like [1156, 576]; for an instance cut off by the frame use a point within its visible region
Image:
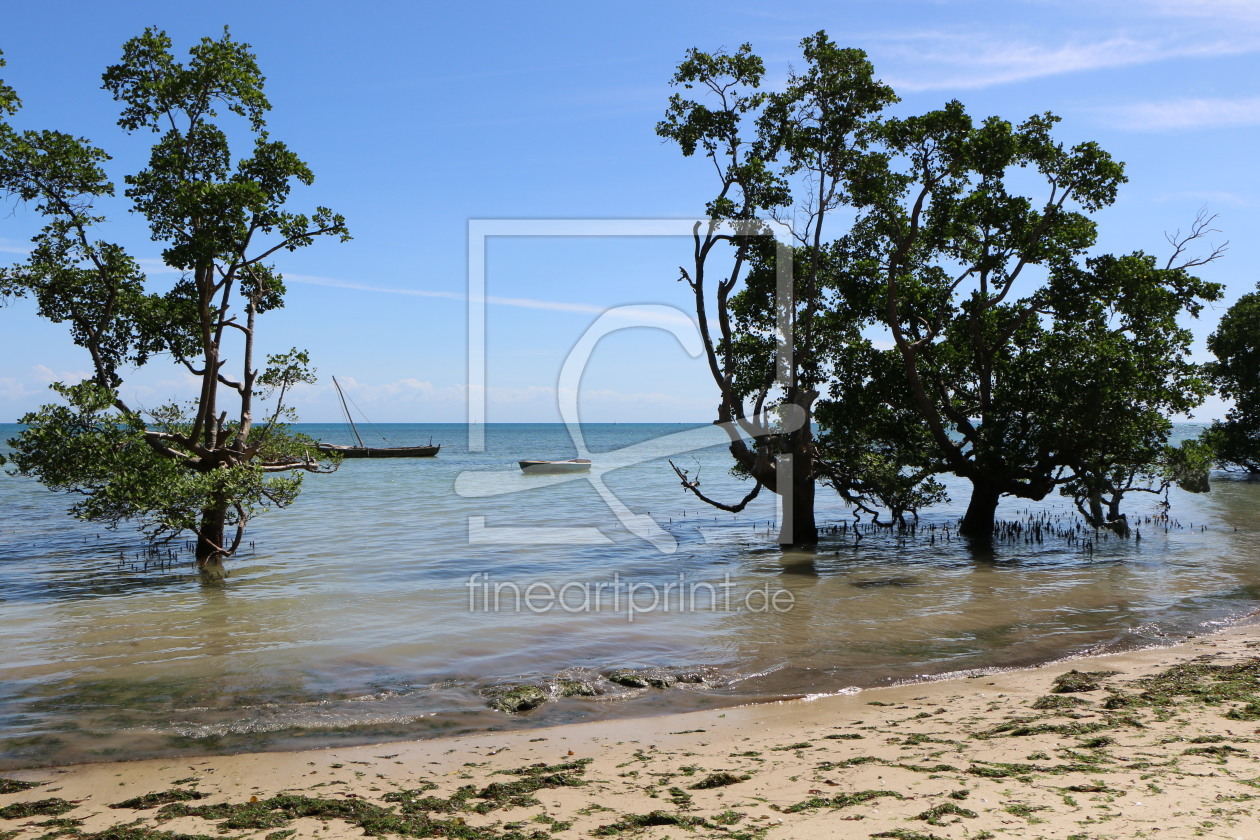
[417, 117]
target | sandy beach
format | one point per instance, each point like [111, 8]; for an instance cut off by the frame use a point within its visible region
[1153, 743]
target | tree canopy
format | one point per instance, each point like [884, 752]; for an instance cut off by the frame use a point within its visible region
[1235, 440]
[949, 313]
[212, 464]
[786, 162]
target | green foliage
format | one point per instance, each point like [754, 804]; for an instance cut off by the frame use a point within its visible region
[197, 468]
[877, 451]
[1236, 371]
[1137, 375]
[87, 447]
[1012, 374]
[801, 153]
[9, 100]
[1188, 464]
[285, 370]
[102, 456]
[950, 316]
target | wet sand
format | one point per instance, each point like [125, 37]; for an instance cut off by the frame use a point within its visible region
[985, 756]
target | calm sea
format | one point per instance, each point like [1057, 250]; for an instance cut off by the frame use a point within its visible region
[393, 593]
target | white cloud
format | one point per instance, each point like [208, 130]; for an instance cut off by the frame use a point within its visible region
[1208, 197]
[1183, 114]
[402, 390]
[12, 389]
[984, 59]
[494, 300]
[155, 265]
[47, 376]
[1077, 37]
[1219, 11]
[388, 402]
[159, 386]
[12, 246]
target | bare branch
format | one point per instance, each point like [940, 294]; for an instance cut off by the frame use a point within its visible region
[1200, 228]
[236, 386]
[286, 243]
[241, 519]
[694, 487]
[307, 465]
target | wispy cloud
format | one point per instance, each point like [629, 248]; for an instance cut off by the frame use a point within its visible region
[47, 376]
[1186, 114]
[408, 389]
[956, 60]
[1206, 196]
[156, 265]
[12, 389]
[1072, 36]
[12, 246]
[496, 300]
[387, 401]
[1218, 11]
[151, 265]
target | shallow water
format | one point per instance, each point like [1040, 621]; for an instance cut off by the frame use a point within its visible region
[368, 611]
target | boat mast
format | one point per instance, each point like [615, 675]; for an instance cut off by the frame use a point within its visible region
[346, 410]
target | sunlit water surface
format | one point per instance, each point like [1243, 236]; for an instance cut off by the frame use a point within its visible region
[368, 610]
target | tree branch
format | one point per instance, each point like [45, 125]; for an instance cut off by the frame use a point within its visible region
[694, 487]
[1199, 229]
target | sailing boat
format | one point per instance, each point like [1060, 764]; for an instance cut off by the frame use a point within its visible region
[363, 451]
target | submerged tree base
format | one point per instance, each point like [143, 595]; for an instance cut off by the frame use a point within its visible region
[1035, 529]
[213, 571]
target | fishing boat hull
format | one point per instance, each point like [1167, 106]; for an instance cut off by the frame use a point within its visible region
[577, 465]
[380, 451]
[362, 451]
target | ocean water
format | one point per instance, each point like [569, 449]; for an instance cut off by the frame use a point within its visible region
[394, 593]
